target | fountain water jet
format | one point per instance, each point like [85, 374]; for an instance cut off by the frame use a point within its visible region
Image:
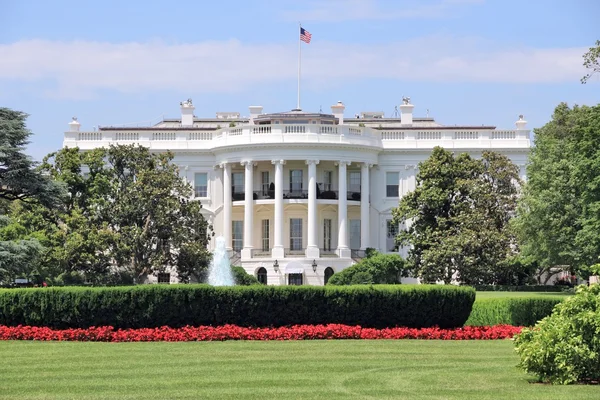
[219, 272]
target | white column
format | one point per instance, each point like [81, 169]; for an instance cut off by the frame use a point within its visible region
[227, 204]
[278, 252]
[312, 249]
[343, 249]
[365, 191]
[248, 209]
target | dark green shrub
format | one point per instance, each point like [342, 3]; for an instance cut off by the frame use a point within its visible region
[565, 347]
[525, 311]
[519, 288]
[376, 269]
[257, 305]
[243, 278]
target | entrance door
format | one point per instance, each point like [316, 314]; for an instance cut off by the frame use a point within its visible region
[355, 234]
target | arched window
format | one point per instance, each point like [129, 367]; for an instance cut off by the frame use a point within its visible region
[261, 275]
[328, 273]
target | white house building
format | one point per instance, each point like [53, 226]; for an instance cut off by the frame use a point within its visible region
[299, 195]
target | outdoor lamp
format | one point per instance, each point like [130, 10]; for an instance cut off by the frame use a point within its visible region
[276, 266]
[314, 265]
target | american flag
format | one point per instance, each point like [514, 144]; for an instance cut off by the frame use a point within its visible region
[305, 35]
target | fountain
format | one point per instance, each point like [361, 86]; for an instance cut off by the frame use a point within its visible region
[219, 272]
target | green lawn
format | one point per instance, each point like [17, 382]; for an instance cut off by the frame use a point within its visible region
[403, 369]
[497, 295]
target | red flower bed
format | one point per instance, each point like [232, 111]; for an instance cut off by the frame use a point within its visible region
[232, 332]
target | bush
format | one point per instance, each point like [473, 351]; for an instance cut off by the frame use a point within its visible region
[516, 311]
[565, 347]
[519, 288]
[243, 278]
[148, 306]
[376, 269]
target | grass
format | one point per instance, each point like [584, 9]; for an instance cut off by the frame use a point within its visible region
[403, 369]
[498, 295]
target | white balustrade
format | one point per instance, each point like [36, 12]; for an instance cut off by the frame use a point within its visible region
[258, 130]
[295, 129]
[504, 134]
[429, 135]
[466, 135]
[392, 135]
[127, 136]
[89, 136]
[164, 135]
[200, 136]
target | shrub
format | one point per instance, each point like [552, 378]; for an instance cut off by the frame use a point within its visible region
[516, 311]
[517, 288]
[243, 278]
[565, 347]
[151, 306]
[376, 269]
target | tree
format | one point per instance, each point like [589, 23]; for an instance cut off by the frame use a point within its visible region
[20, 253]
[591, 61]
[19, 180]
[558, 217]
[127, 210]
[458, 217]
[375, 269]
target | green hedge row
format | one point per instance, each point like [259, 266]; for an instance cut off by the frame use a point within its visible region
[179, 305]
[520, 288]
[525, 311]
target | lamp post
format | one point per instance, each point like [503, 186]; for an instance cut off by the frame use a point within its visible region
[276, 266]
[314, 265]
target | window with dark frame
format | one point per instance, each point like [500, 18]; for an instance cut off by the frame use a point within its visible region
[392, 184]
[164, 277]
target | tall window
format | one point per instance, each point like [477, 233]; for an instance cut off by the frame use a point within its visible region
[327, 234]
[296, 234]
[392, 180]
[238, 182]
[296, 180]
[354, 181]
[392, 232]
[261, 275]
[201, 185]
[265, 235]
[327, 180]
[264, 183]
[237, 238]
[355, 234]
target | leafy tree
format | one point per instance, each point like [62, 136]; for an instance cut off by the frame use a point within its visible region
[19, 180]
[376, 269]
[591, 61]
[459, 215]
[558, 217]
[242, 278]
[20, 253]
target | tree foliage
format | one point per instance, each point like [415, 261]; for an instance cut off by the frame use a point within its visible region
[559, 214]
[19, 180]
[458, 217]
[591, 61]
[376, 269]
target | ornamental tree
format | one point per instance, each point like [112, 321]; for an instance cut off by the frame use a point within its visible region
[591, 61]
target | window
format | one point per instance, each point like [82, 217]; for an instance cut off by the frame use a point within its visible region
[238, 182]
[265, 235]
[265, 183]
[295, 234]
[295, 279]
[237, 239]
[354, 181]
[392, 232]
[392, 180]
[355, 234]
[296, 180]
[328, 273]
[164, 277]
[327, 235]
[327, 180]
[261, 275]
[201, 185]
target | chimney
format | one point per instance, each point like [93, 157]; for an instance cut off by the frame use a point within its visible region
[406, 111]
[255, 111]
[338, 111]
[74, 125]
[187, 113]
[521, 123]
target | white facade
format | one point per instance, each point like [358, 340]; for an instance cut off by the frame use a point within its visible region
[300, 195]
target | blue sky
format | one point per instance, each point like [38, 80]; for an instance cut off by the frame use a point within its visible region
[117, 62]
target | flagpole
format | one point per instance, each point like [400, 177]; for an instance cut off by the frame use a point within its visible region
[299, 63]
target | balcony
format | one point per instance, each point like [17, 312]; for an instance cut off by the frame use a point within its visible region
[260, 253]
[294, 253]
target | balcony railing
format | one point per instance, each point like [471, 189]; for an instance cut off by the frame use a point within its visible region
[260, 253]
[295, 194]
[328, 252]
[293, 252]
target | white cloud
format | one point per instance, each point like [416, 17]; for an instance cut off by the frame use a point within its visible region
[353, 10]
[79, 69]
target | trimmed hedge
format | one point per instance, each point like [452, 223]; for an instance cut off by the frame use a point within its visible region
[520, 288]
[149, 306]
[525, 311]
